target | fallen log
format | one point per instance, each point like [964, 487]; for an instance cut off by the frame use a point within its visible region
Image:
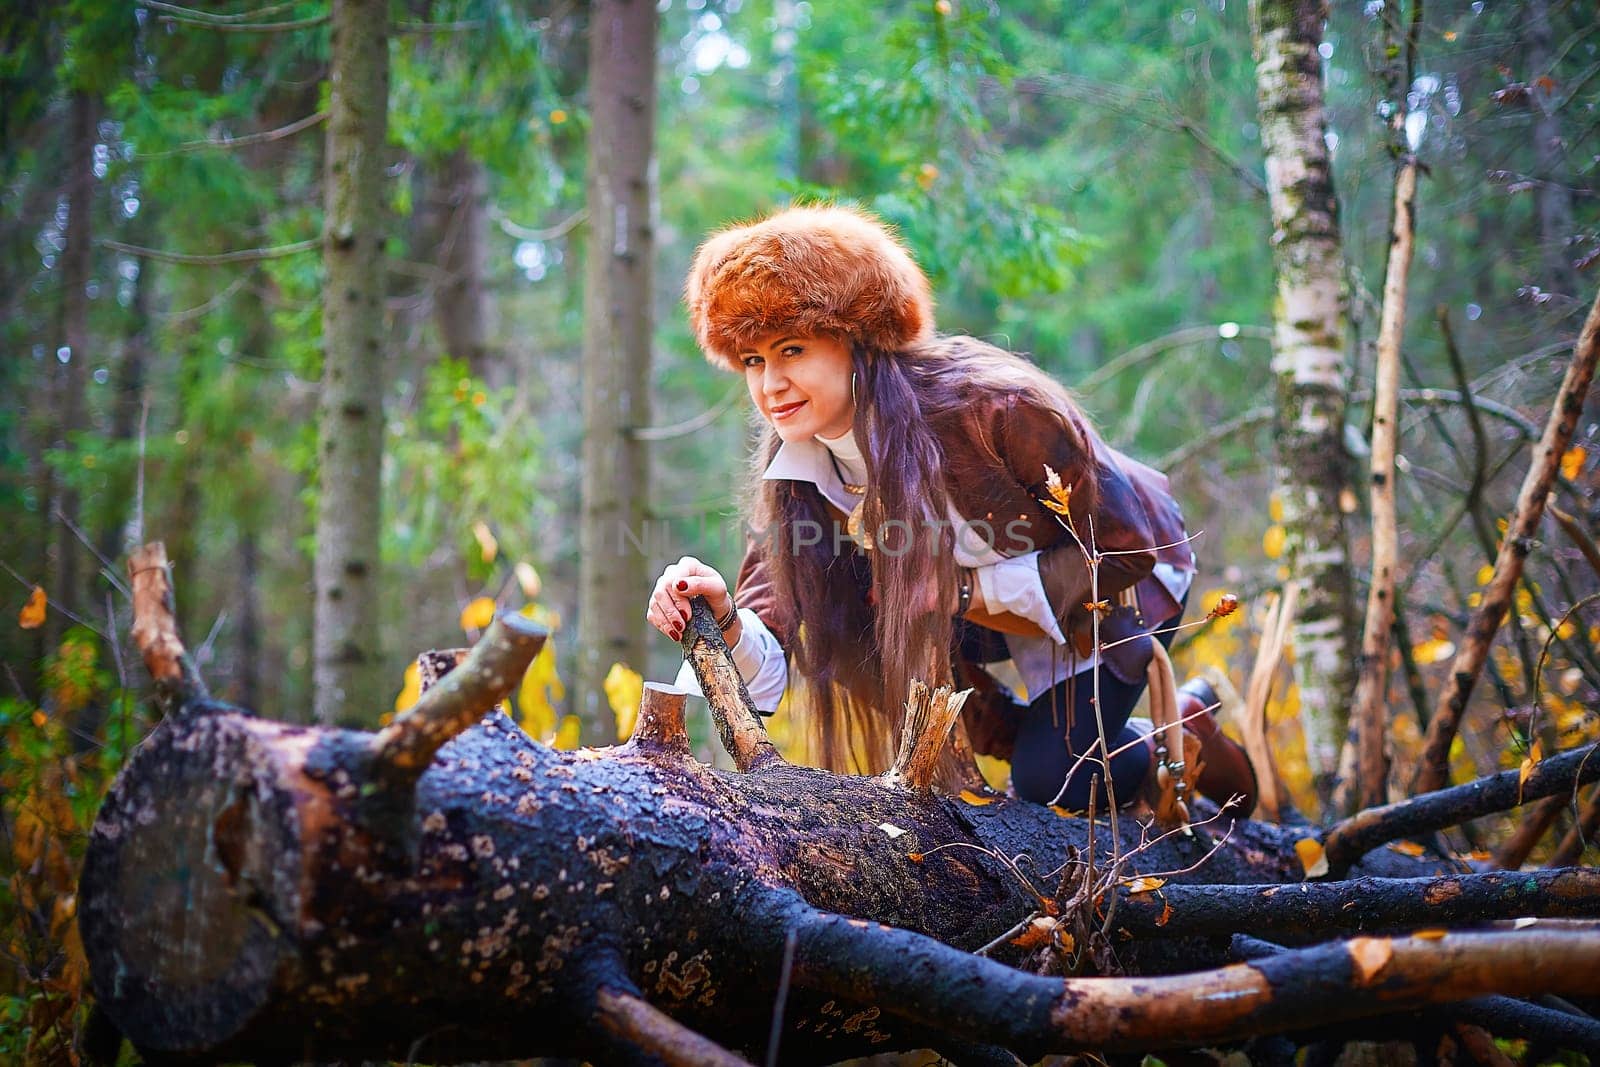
[260, 890]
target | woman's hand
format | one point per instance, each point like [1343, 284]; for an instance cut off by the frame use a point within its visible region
[669, 601]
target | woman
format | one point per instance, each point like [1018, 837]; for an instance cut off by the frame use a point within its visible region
[901, 530]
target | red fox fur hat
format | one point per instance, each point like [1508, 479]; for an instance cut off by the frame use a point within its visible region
[815, 270]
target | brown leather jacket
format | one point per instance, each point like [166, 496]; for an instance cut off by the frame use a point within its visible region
[996, 450]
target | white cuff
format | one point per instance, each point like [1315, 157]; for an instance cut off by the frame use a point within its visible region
[1013, 584]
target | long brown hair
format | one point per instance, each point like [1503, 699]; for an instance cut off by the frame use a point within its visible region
[854, 663]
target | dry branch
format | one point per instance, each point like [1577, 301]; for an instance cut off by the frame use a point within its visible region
[1369, 710]
[155, 630]
[1513, 852]
[1421, 815]
[738, 722]
[463, 696]
[930, 713]
[1434, 765]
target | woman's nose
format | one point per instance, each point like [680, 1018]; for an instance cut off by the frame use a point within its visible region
[773, 380]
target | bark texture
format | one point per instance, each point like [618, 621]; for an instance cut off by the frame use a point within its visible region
[616, 351]
[1309, 364]
[347, 662]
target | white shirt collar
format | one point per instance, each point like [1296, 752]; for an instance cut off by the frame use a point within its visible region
[808, 461]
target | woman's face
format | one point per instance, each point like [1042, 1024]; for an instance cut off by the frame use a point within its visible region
[801, 385]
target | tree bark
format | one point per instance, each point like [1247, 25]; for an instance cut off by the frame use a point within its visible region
[1371, 704]
[450, 889]
[458, 222]
[614, 543]
[347, 666]
[69, 585]
[1308, 362]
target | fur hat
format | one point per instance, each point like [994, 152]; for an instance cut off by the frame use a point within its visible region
[816, 270]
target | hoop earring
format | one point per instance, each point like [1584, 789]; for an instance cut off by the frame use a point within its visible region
[852, 388]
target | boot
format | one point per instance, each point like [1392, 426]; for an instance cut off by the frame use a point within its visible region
[1224, 770]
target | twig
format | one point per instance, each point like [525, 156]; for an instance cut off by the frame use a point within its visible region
[529, 233]
[691, 425]
[244, 255]
[222, 20]
[1576, 534]
[1433, 768]
[775, 1036]
[1142, 353]
[242, 141]
[107, 567]
[1514, 852]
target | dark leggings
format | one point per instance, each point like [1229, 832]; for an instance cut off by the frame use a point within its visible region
[1047, 747]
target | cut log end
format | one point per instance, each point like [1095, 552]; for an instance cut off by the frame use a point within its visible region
[660, 729]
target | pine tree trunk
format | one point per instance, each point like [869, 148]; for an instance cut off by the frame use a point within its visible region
[1309, 363]
[68, 585]
[347, 668]
[461, 308]
[614, 573]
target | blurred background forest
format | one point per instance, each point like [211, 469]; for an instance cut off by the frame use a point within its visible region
[1084, 181]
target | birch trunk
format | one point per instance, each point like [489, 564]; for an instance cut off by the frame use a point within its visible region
[614, 574]
[350, 416]
[1309, 363]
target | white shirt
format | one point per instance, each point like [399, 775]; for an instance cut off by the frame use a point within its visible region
[1009, 584]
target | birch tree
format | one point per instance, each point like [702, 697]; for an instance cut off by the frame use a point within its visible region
[613, 576]
[1309, 364]
[350, 416]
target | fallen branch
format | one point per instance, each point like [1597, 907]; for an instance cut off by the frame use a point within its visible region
[1513, 852]
[1434, 765]
[1361, 833]
[1358, 905]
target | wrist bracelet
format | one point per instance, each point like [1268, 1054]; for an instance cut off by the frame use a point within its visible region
[733, 613]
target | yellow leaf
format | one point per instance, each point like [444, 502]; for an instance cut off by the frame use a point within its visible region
[1433, 650]
[915, 857]
[1060, 495]
[528, 578]
[1407, 848]
[972, 798]
[1528, 764]
[1369, 955]
[557, 117]
[1312, 858]
[1449, 35]
[1485, 573]
[39, 719]
[567, 735]
[927, 174]
[486, 542]
[624, 689]
[410, 689]
[1275, 507]
[1429, 935]
[478, 614]
[1273, 540]
[1063, 812]
[1572, 462]
[32, 615]
[1146, 884]
[1035, 933]
[1474, 599]
[539, 693]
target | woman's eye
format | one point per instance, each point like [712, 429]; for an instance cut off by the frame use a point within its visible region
[752, 361]
[791, 350]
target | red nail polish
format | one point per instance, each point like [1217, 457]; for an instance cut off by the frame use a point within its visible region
[682, 586]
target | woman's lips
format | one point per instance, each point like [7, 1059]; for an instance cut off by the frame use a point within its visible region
[786, 410]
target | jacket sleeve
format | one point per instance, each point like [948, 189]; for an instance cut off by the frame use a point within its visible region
[1106, 513]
